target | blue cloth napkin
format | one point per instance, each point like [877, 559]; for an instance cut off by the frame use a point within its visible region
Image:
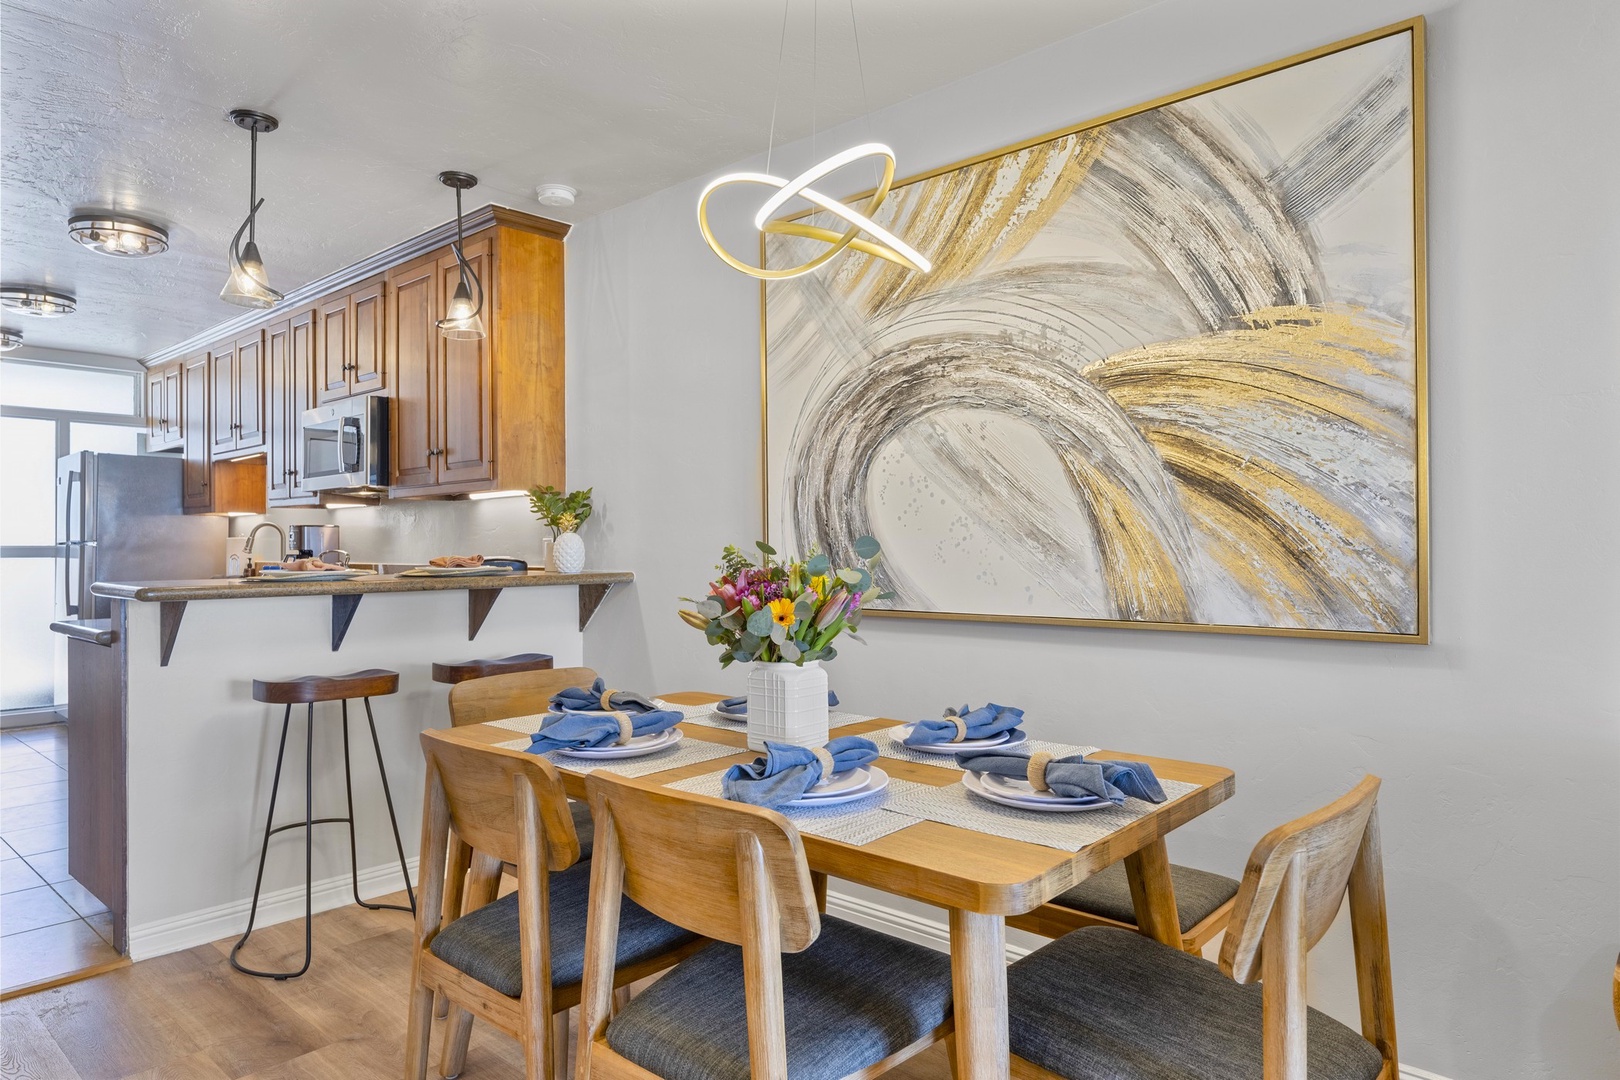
[740, 704]
[983, 723]
[1072, 777]
[579, 730]
[786, 772]
[589, 699]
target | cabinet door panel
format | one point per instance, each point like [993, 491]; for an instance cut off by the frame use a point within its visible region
[414, 345]
[222, 397]
[278, 406]
[466, 442]
[248, 391]
[156, 420]
[173, 433]
[335, 352]
[368, 366]
[301, 364]
[197, 483]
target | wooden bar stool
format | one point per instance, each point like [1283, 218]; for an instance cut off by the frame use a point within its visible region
[307, 691]
[483, 669]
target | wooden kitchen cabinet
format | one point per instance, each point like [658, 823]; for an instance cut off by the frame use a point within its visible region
[237, 399]
[352, 353]
[483, 414]
[196, 472]
[163, 416]
[289, 358]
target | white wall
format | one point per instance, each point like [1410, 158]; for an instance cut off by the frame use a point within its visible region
[1499, 744]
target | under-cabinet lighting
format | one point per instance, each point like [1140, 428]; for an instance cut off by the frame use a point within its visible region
[496, 494]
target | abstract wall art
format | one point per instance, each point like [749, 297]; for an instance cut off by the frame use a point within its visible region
[1168, 370]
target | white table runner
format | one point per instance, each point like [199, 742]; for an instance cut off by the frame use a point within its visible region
[858, 822]
[954, 805]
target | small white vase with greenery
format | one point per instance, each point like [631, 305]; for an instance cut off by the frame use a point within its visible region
[563, 515]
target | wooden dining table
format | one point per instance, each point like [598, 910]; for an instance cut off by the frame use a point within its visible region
[980, 879]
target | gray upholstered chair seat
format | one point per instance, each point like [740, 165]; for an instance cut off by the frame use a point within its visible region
[1107, 894]
[484, 944]
[851, 999]
[1106, 1002]
[586, 828]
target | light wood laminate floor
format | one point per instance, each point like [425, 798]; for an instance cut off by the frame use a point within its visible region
[189, 1016]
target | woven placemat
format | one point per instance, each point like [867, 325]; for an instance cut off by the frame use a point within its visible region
[858, 822]
[686, 752]
[705, 716]
[953, 804]
[889, 745]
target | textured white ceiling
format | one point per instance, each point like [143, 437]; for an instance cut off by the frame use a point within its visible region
[120, 104]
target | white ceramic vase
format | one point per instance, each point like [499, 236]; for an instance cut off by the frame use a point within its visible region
[568, 553]
[787, 703]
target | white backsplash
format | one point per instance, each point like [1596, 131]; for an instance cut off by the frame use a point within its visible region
[418, 530]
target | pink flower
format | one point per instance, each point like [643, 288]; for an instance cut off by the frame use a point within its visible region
[725, 592]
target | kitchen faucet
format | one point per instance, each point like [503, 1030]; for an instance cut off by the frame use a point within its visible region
[247, 548]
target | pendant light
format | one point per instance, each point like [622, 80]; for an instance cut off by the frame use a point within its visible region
[248, 285]
[462, 319]
[879, 241]
[119, 236]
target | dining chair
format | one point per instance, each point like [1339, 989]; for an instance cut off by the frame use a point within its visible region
[784, 992]
[1203, 904]
[1109, 1002]
[516, 961]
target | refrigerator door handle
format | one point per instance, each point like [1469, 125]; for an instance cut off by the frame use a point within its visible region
[69, 608]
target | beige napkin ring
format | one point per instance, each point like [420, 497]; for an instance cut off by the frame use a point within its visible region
[606, 700]
[824, 756]
[1038, 762]
[627, 726]
[961, 727]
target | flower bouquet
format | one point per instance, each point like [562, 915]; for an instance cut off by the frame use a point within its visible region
[784, 614]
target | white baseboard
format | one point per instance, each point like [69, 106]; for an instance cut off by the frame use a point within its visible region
[935, 933]
[228, 920]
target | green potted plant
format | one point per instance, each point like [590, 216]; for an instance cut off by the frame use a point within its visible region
[563, 514]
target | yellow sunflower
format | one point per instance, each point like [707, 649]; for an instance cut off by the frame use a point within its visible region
[782, 612]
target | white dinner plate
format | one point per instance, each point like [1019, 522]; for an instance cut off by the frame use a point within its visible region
[1022, 791]
[640, 746]
[1004, 738]
[876, 781]
[1049, 804]
[456, 571]
[739, 715]
[855, 779]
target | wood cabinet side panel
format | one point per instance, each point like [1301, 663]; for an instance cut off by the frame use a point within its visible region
[528, 342]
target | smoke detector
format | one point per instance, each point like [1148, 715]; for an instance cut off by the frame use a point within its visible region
[555, 195]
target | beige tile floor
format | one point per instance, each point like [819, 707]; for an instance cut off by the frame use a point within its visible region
[50, 925]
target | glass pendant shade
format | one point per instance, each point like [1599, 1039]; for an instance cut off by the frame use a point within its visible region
[247, 285]
[462, 321]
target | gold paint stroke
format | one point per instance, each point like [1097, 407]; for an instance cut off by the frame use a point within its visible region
[1143, 580]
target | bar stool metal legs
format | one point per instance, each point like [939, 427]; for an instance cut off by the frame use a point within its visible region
[308, 825]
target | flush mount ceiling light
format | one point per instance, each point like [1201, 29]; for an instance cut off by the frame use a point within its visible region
[10, 339]
[882, 243]
[462, 320]
[122, 237]
[40, 303]
[248, 285]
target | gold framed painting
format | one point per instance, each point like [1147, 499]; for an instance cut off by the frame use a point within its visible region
[1167, 371]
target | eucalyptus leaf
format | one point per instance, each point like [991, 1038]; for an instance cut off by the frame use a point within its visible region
[778, 633]
[750, 642]
[864, 582]
[763, 546]
[850, 577]
[818, 566]
[711, 609]
[867, 547]
[742, 654]
[804, 608]
[829, 653]
[760, 622]
[885, 595]
[790, 652]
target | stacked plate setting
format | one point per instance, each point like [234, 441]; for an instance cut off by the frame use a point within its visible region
[1003, 738]
[843, 787]
[640, 746]
[1019, 794]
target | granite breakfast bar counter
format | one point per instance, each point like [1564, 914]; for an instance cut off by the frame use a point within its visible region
[163, 723]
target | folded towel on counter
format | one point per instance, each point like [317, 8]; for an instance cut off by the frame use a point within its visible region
[740, 704]
[462, 562]
[982, 723]
[1072, 777]
[590, 699]
[580, 730]
[786, 772]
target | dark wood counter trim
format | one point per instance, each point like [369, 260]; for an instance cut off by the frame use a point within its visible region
[95, 631]
[247, 588]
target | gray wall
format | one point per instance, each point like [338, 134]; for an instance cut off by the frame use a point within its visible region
[1499, 744]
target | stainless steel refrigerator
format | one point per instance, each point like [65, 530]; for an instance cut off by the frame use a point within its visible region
[118, 518]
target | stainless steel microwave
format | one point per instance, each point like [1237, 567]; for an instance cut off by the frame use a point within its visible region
[346, 445]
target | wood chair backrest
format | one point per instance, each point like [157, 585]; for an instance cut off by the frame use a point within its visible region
[522, 693]
[1295, 883]
[725, 870]
[483, 793]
